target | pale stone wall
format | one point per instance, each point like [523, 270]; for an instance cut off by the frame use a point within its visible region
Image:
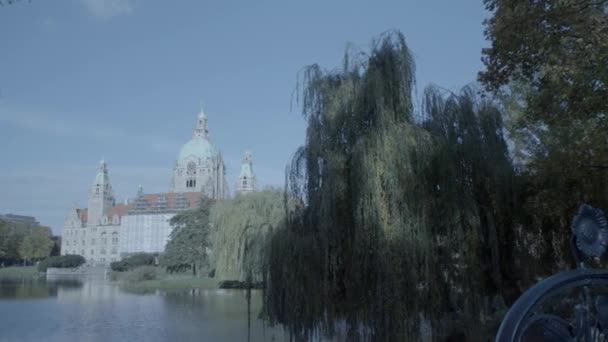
[148, 233]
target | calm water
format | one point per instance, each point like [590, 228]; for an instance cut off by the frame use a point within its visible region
[94, 310]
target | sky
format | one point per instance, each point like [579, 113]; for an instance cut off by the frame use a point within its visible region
[123, 80]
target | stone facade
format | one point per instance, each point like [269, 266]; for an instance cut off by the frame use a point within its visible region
[246, 182]
[200, 166]
[107, 231]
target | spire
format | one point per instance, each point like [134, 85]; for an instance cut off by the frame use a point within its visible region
[246, 182]
[101, 179]
[248, 158]
[201, 131]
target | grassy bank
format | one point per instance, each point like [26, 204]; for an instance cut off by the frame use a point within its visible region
[172, 284]
[154, 278]
[19, 272]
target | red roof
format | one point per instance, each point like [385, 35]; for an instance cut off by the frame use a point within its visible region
[83, 214]
[122, 209]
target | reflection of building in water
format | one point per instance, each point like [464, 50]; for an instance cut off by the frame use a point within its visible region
[89, 290]
[107, 231]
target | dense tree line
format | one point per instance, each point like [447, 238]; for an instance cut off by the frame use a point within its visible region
[21, 242]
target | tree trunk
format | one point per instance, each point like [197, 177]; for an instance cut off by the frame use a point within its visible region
[194, 270]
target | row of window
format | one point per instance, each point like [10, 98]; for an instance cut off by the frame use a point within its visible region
[103, 241]
[70, 232]
[103, 251]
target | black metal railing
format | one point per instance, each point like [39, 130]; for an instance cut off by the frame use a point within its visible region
[577, 299]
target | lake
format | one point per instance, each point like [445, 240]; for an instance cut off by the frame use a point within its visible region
[90, 310]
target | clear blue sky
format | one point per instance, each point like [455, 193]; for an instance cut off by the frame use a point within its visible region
[124, 79]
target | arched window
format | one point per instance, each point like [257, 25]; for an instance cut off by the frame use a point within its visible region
[191, 168]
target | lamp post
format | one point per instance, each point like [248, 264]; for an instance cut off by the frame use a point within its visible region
[525, 320]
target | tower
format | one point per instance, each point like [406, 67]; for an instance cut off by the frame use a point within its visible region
[101, 196]
[246, 182]
[199, 166]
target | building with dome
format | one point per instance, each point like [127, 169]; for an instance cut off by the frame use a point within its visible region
[199, 166]
[107, 231]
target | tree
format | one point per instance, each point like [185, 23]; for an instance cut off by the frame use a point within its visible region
[37, 244]
[548, 63]
[400, 218]
[242, 228]
[4, 238]
[560, 48]
[190, 239]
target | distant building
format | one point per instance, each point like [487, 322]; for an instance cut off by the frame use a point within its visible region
[19, 219]
[107, 231]
[199, 166]
[246, 182]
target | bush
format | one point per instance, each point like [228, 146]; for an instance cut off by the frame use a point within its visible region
[63, 261]
[133, 261]
[141, 273]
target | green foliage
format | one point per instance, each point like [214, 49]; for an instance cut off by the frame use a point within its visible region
[11, 237]
[133, 261]
[37, 244]
[398, 218]
[140, 273]
[190, 239]
[548, 66]
[63, 261]
[242, 228]
[560, 48]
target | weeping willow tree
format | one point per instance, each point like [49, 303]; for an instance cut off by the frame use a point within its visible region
[402, 218]
[242, 228]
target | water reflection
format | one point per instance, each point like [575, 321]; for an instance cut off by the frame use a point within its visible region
[96, 310]
[35, 288]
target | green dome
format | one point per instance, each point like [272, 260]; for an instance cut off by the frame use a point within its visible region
[199, 148]
[246, 171]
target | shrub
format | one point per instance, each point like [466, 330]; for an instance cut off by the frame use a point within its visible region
[63, 261]
[133, 261]
[141, 273]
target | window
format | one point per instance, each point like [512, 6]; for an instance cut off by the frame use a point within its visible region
[92, 252]
[114, 251]
[103, 251]
[191, 183]
[67, 243]
[92, 241]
